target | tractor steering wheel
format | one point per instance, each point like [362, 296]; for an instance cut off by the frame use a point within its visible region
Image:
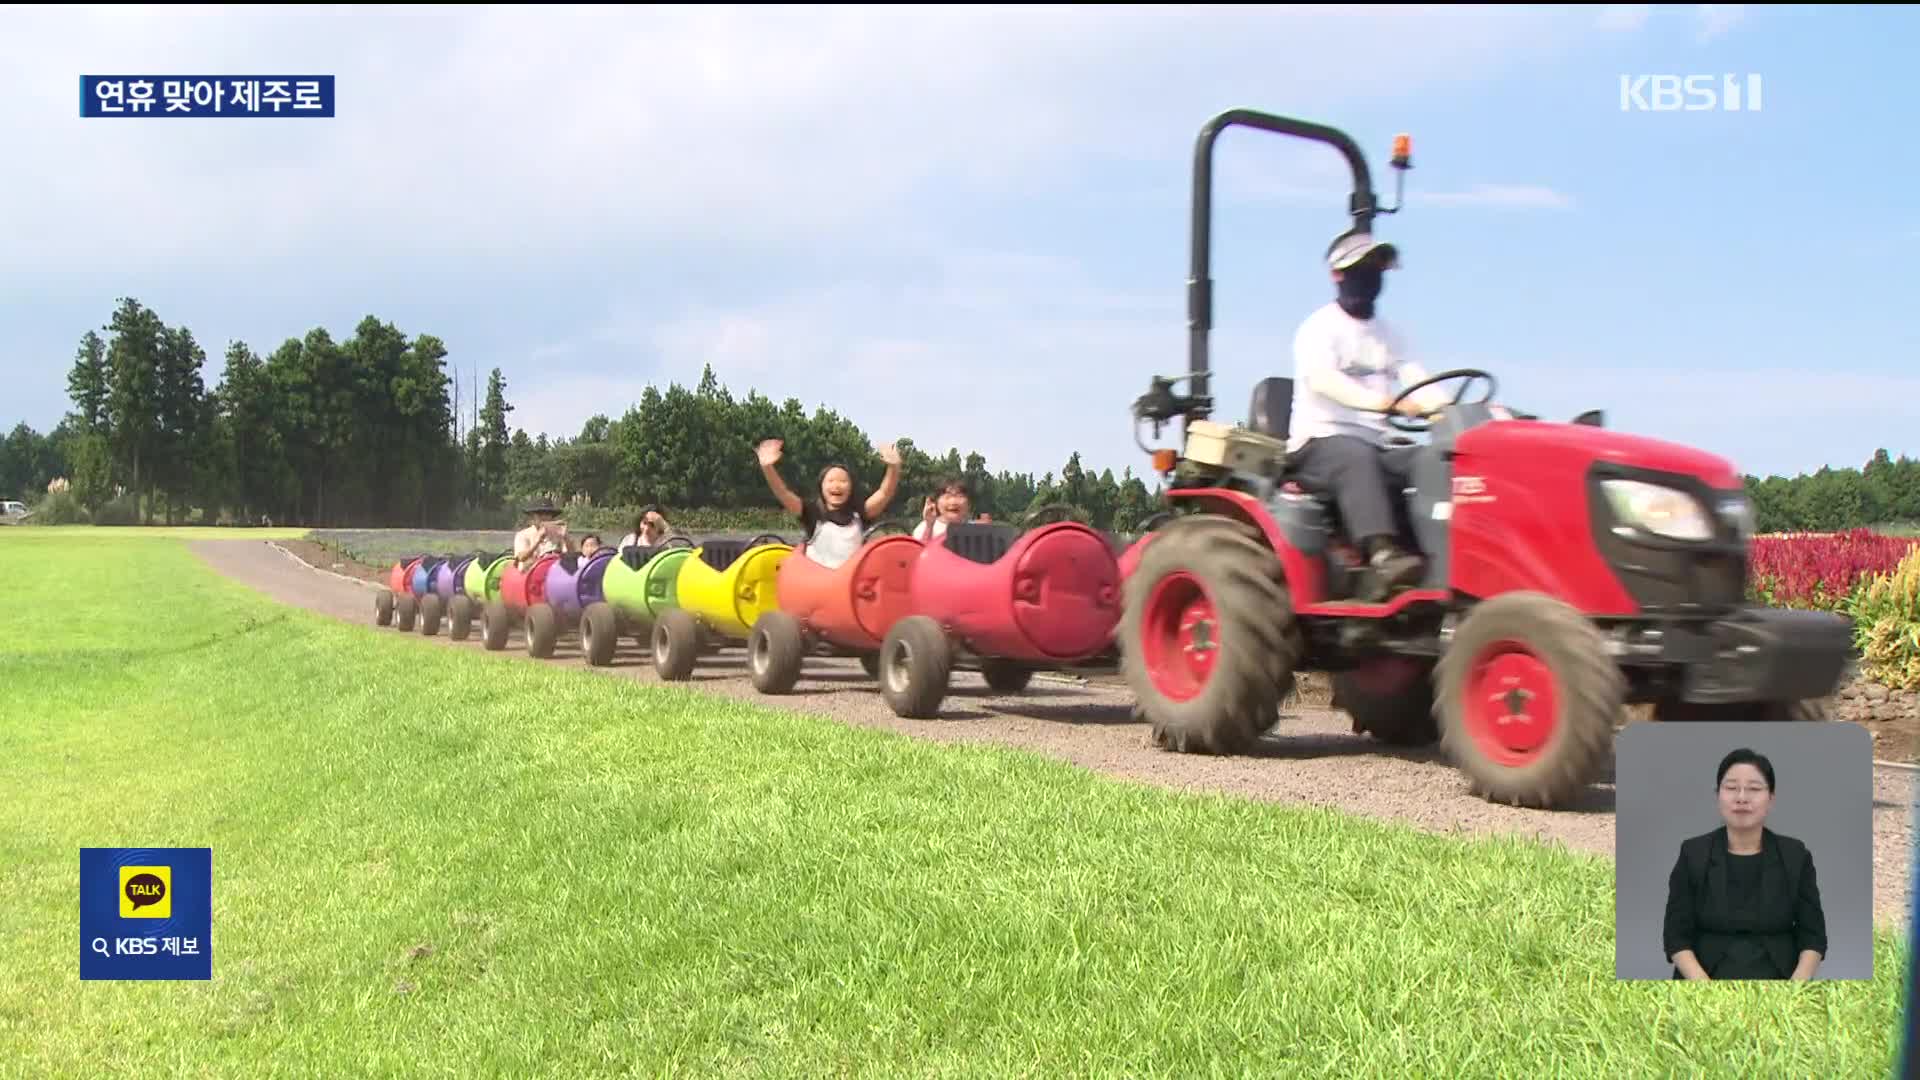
[676, 540]
[886, 528]
[1418, 424]
[755, 541]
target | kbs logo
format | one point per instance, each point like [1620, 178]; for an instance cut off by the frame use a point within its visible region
[1689, 93]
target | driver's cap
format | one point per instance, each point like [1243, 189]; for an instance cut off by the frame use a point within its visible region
[1351, 250]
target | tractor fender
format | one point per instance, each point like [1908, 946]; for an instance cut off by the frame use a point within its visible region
[1306, 578]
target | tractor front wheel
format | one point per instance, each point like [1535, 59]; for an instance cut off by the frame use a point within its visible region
[383, 607]
[1208, 639]
[1528, 697]
[1391, 699]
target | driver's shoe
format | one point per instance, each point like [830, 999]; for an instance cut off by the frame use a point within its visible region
[1394, 571]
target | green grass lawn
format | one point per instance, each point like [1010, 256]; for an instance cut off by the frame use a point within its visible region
[440, 862]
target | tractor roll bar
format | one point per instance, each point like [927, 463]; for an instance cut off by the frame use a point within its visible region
[1199, 285]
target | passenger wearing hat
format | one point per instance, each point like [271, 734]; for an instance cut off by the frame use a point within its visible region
[1349, 365]
[544, 535]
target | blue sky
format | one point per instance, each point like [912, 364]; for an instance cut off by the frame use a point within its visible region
[969, 227]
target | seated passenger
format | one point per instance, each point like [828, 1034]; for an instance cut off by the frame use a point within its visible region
[545, 534]
[835, 521]
[648, 529]
[589, 544]
[950, 504]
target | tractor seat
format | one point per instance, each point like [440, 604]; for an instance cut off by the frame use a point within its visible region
[1272, 410]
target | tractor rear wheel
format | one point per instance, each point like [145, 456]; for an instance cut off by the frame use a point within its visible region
[599, 633]
[1391, 699]
[460, 618]
[775, 650]
[408, 607]
[1528, 699]
[543, 629]
[1208, 640]
[676, 645]
[383, 607]
[916, 663]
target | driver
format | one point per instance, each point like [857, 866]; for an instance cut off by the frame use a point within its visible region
[544, 535]
[1348, 368]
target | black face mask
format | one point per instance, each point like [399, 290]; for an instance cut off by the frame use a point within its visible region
[1359, 288]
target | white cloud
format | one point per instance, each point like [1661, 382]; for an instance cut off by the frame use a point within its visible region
[1623, 16]
[1716, 19]
[691, 159]
[506, 134]
[1511, 196]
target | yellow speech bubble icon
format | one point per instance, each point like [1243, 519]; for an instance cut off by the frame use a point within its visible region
[146, 892]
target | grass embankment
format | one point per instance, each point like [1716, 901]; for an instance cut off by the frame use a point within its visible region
[436, 862]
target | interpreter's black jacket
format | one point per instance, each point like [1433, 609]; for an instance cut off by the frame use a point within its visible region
[1783, 914]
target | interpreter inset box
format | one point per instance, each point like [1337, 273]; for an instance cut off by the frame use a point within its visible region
[1743, 851]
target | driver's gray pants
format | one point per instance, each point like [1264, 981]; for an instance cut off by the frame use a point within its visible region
[1365, 481]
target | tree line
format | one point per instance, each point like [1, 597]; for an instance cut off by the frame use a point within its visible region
[366, 433]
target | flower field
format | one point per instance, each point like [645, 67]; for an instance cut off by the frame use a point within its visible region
[1870, 577]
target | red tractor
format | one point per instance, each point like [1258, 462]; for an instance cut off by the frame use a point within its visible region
[1571, 571]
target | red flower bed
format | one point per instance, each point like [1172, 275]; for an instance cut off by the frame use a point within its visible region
[1813, 570]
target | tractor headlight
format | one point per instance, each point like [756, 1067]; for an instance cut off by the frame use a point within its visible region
[1660, 510]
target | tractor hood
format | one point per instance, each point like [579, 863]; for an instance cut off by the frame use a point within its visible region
[1578, 445]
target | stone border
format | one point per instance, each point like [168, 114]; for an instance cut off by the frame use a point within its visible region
[320, 570]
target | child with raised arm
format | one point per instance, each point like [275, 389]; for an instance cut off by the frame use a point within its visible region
[950, 504]
[834, 521]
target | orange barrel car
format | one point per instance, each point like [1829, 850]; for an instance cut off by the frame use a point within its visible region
[846, 609]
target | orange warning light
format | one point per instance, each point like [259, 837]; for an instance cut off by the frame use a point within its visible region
[1163, 460]
[1402, 150]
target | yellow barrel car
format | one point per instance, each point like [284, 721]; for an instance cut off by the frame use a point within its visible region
[722, 590]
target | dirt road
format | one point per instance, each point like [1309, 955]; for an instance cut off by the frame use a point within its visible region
[1311, 758]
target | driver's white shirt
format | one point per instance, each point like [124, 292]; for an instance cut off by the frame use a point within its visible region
[1344, 371]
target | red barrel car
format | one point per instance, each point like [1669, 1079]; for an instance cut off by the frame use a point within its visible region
[523, 598]
[1048, 598]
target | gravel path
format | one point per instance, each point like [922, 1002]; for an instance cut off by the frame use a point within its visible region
[1312, 758]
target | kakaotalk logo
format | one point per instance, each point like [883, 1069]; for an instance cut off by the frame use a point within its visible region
[1689, 93]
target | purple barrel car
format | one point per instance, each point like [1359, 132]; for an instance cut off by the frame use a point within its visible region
[576, 592]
